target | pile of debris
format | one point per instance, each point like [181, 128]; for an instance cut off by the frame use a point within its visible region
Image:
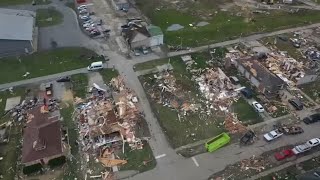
[217, 88]
[109, 121]
[168, 93]
[286, 68]
[233, 125]
[312, 53]
[19, 112]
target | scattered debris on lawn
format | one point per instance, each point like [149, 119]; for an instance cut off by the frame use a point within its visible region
[233, 125]
[107, 119]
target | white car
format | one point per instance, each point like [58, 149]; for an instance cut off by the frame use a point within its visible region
[88, 25]
[87, 22]
[84, 17]
[313, 142]
[272, 135]
[257, 106]
[82, 7]
[301, 148]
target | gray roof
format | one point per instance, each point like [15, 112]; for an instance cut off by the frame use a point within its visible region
[16, 25]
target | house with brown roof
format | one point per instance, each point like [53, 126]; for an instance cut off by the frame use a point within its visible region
[42, 138]
[259, 76]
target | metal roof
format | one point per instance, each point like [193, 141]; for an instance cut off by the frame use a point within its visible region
[16, 26]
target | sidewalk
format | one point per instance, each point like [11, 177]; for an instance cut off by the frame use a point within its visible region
[283, 166]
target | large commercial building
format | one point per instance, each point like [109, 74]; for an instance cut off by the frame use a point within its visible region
[18, 34]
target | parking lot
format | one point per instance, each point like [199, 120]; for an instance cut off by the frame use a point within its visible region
[90, 23]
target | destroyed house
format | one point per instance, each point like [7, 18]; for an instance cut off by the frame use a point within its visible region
[42, 138]
[107, 132]
[137, 36]
[259, 76]
[140, 36]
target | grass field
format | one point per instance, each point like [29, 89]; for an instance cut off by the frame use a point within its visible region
[246, 112]
[73, 169]
[79, 85]
[44, 63]
[17, 2]
[136, 158]
[48, 17]
[312, 90]
[108, 74]
[222, 25]
[10, 153]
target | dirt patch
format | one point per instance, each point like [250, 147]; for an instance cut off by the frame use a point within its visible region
[67, 96]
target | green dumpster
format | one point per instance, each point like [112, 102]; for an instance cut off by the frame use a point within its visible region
[217, 142]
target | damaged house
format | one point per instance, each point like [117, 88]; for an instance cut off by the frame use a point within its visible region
[138, 35]
[42, 138]
[259, 76]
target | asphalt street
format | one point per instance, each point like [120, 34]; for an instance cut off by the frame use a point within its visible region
[170, 166]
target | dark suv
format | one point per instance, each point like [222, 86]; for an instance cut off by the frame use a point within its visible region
[296, 103]
[312, 119]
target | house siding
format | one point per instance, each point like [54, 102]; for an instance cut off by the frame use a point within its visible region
[14, 47]
[156, 40]
[139, 44]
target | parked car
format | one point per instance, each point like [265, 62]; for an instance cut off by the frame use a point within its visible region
[313, 142]
[272, 135]
[234, 80]
[316, 116]
[301, 148]
[84, 17]
[82, 7]
[257, 106]
[247, 93]
[84, 13]
[283, 154]
[87, 22]
[64, 79]
[89, 25]
[309, 120]
[296, 103]
[312, 118]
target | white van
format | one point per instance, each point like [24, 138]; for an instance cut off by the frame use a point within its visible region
[95, 66]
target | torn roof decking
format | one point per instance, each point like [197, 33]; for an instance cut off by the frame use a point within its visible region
[260, 72]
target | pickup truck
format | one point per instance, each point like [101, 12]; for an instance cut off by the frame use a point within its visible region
[301, 148]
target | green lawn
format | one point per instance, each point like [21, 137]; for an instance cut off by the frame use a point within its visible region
[284, 46]
[73, 167]
[150, 64]
[108, 74]
[200, 58]
[136, 158]
[48, 17]
[312, 90]
[18, 2]
[246, 112]
[44, 63]
[10, 153]
[79, 85]
[224, 25]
